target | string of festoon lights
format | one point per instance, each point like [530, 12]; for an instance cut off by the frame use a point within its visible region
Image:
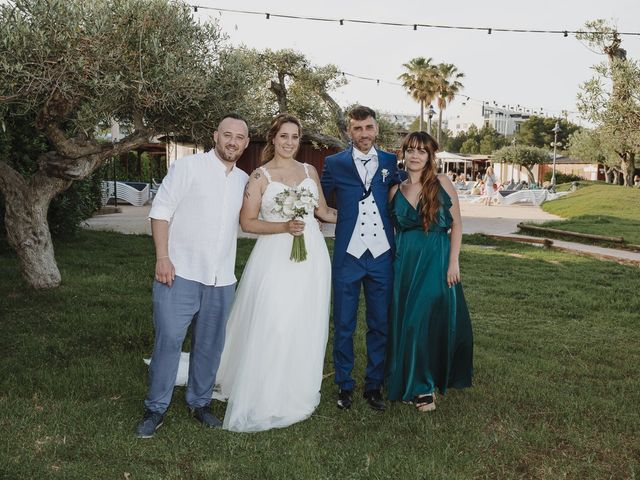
[490, 103]
[413, 26]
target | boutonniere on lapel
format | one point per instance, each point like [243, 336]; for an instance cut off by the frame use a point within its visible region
[385, 174]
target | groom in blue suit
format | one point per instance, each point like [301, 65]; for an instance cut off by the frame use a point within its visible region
[360, 178]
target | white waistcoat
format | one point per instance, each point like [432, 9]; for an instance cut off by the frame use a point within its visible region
[368, 233]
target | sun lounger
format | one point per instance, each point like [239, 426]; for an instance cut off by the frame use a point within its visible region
[535, 197]
[135, 193]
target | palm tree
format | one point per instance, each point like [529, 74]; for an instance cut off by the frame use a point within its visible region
[447, 86]
[419, 82]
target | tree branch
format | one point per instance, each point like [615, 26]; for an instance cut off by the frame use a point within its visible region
[130, 142]
[138, 122]
[7, 98]
[338, 115]
[324, 140]
[279, 89]
[75, 158]
[71, 148]
[60, 166]
[10, 179]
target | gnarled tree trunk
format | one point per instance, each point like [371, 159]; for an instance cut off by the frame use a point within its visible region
[628, 165]
[26, 206]
[338, 115]
[530, 175]
[608, 174]
[27, 199]
[616, 176]
[279, 89]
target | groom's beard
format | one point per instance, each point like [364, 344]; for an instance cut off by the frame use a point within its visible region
[364, 144]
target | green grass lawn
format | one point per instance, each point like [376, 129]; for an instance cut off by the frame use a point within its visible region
[556, 394]
[601, 209]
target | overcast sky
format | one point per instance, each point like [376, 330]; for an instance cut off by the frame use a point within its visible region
[532, 70]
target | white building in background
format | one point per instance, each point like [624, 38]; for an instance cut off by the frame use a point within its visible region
[506, 119]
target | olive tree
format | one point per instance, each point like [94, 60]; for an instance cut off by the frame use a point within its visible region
[611, 99]
[73, 67]
[286, 81]
[524, 156]
[592, 145]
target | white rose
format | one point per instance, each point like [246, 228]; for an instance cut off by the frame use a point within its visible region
[288, 206]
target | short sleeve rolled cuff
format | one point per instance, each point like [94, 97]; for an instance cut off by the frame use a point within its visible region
[202, 204]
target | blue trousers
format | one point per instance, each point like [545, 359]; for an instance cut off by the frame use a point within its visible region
[186, 303]
[376, 275]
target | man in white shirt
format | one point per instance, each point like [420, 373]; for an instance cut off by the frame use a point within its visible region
[194, 222]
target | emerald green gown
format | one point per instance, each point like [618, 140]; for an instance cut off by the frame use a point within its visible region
[430, 343]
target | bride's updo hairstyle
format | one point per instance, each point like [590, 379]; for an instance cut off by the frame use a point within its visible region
[428, 177]
[268, 152]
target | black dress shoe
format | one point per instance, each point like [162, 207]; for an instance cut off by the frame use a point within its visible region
[374, 399]
[345, 399]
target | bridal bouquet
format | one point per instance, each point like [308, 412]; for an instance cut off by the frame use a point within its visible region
[295, 203]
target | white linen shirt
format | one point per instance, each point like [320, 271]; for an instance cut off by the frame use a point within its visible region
[202, 205]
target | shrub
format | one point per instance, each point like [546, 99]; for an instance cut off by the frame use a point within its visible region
[69, 209]
[562, 177]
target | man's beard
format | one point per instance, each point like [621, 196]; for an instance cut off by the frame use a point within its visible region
[227, 156]
[361, 145]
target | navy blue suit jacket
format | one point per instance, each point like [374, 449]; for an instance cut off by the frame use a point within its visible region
[340, 176]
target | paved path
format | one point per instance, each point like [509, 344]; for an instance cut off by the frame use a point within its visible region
[130, 220]
[500, 219]
[495, 220]
[603, 253]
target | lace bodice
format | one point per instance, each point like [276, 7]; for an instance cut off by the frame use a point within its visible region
[274, 188]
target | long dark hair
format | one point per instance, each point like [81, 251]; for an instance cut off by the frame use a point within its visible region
[428, 177]
[269, 151]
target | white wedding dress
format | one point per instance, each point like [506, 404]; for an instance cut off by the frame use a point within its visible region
[272, 363]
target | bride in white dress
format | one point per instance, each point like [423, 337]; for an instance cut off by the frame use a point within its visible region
[272, 362]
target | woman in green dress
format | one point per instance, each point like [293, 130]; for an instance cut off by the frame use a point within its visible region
[430, 344]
